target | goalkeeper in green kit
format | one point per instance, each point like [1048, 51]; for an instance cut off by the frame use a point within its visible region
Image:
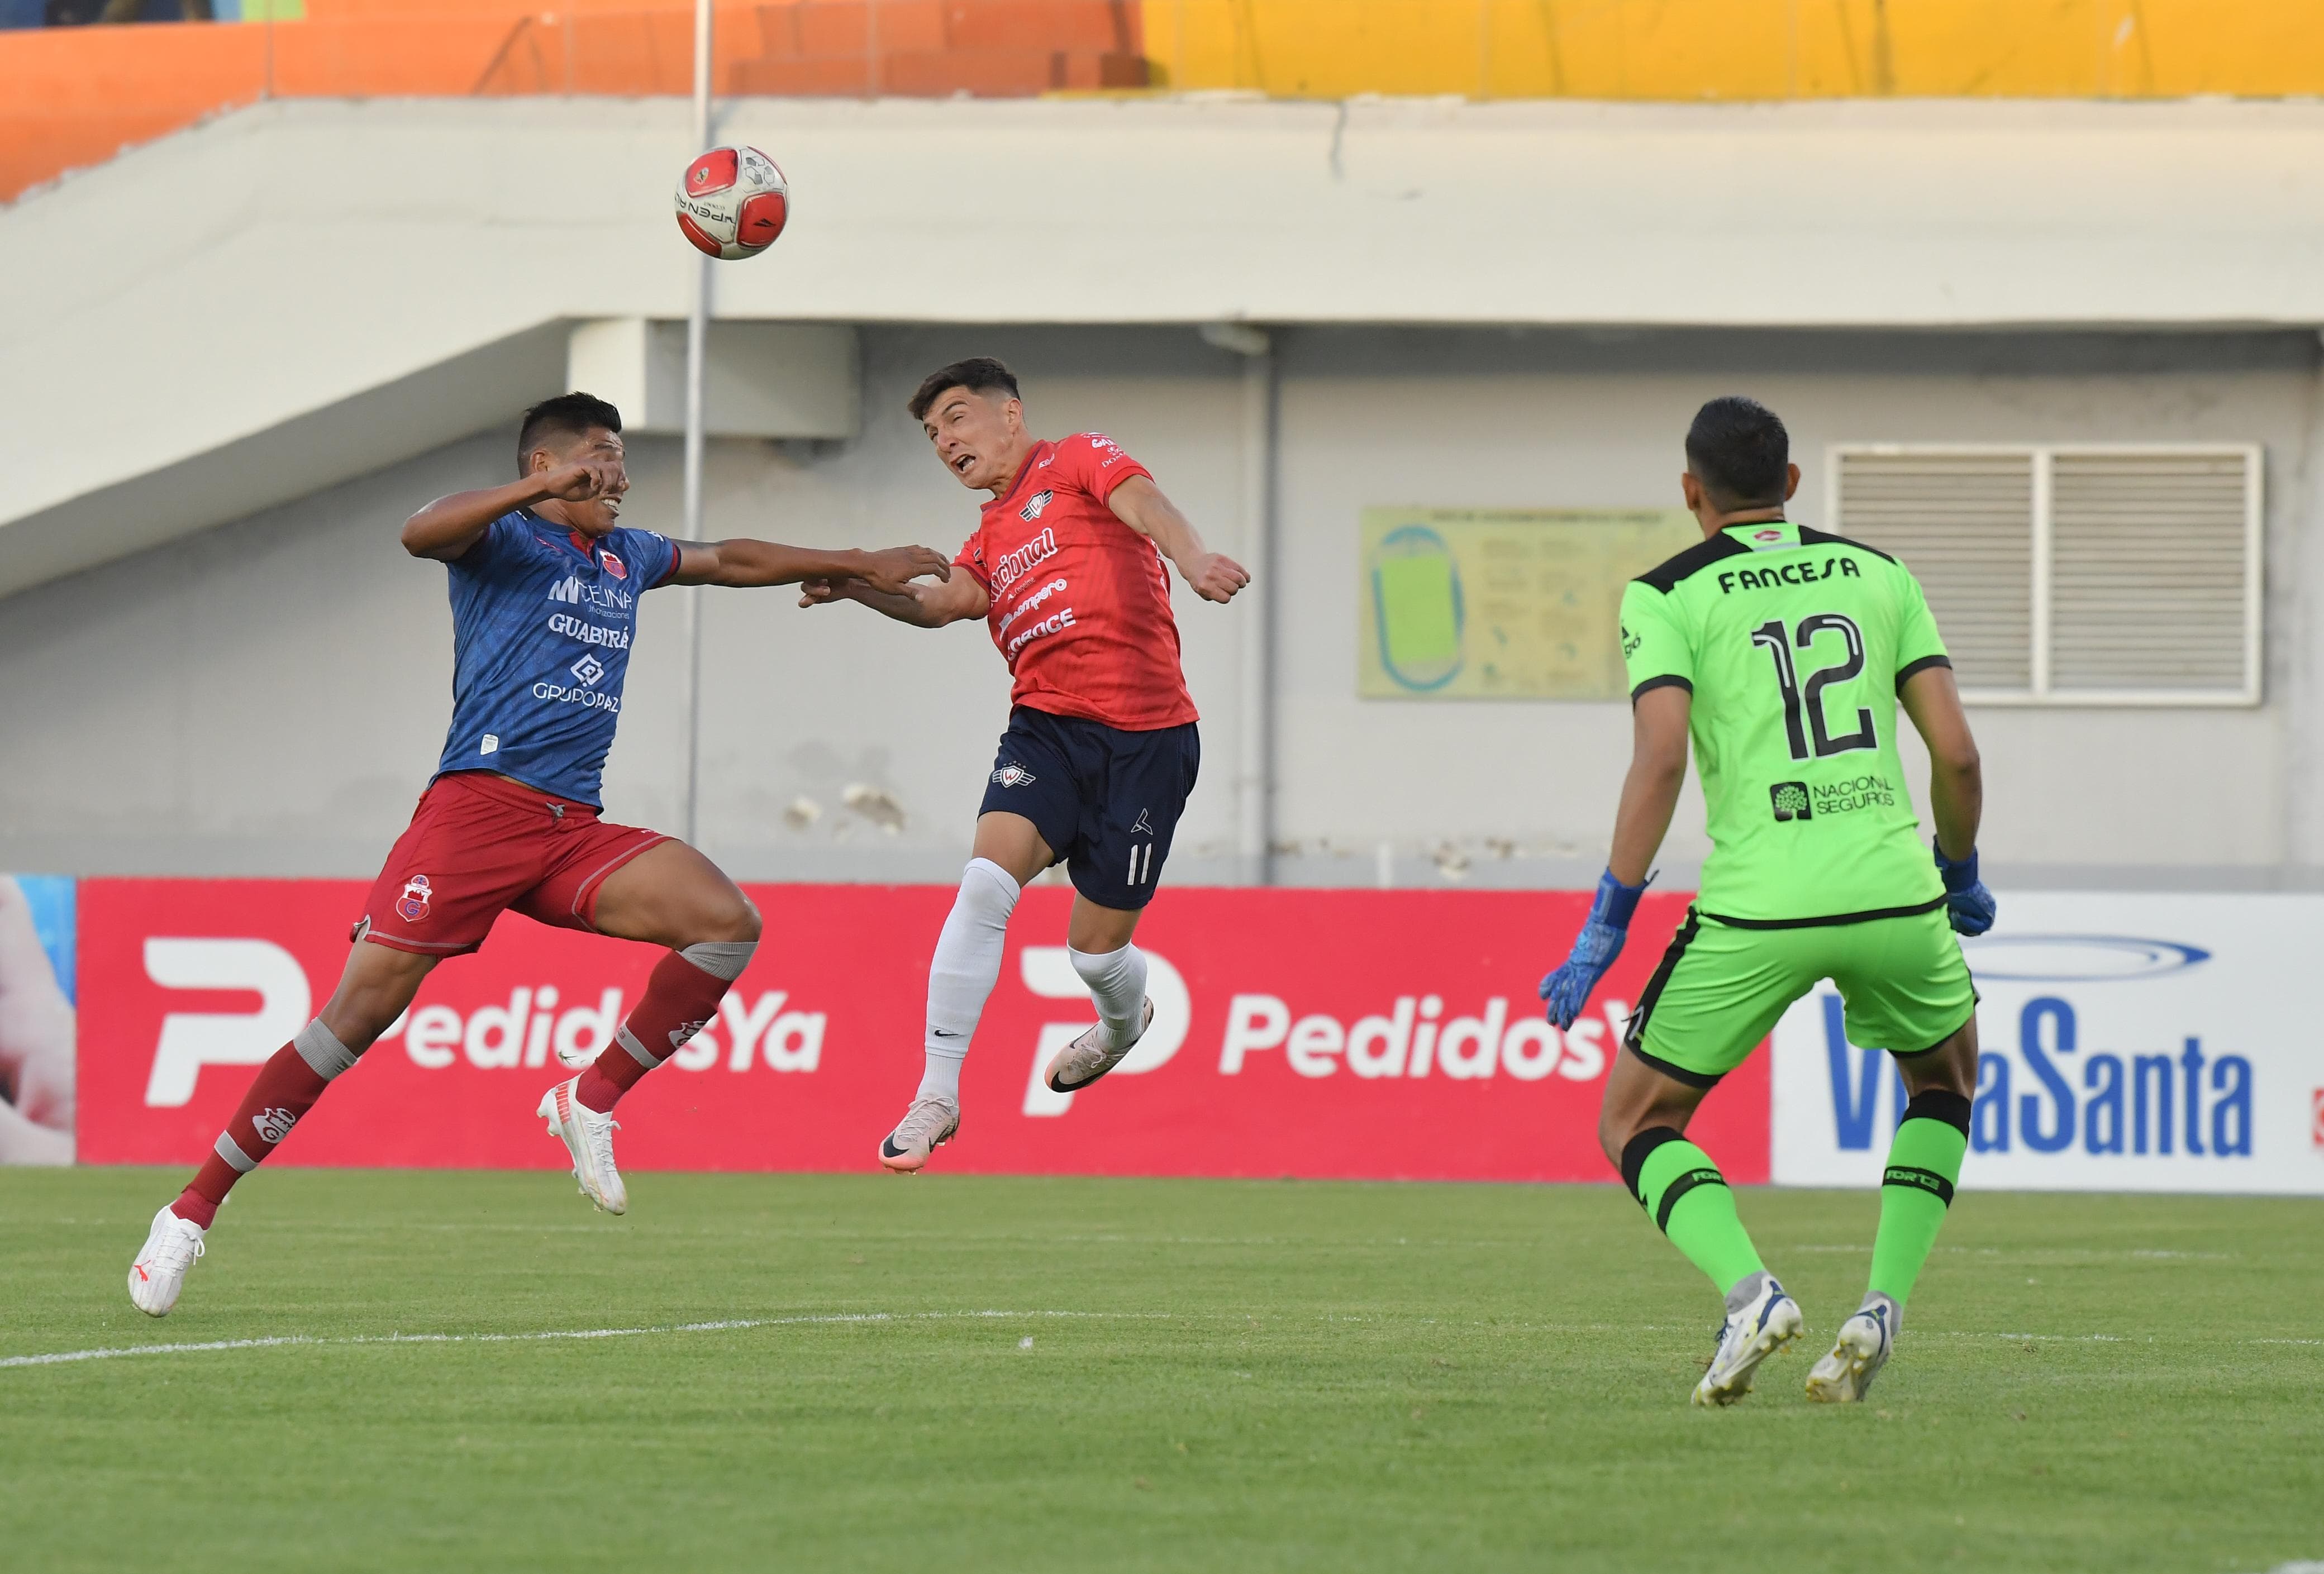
[1784, 653]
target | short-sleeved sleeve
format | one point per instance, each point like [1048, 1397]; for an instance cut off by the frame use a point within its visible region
[1095, 464]
[1654, 646]
[1919, 646]
[972, 559]
[490, 547]
[655, 558]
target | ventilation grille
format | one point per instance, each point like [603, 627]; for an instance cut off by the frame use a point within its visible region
[1963, 524]
[2106, 574]
[2147, 571]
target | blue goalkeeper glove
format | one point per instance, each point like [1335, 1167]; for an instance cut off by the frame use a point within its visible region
[1968, 904]
[1567, 989]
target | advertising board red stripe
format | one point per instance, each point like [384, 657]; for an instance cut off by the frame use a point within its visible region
[1367, 1034]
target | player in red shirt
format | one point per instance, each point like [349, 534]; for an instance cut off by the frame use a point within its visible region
[1068, 569]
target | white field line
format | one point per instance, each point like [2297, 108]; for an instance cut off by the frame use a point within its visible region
[61, 1358]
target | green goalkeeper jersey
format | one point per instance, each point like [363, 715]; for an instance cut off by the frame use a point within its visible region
[1793, 644]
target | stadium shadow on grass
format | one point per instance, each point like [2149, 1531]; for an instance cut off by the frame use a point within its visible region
[980, 1373]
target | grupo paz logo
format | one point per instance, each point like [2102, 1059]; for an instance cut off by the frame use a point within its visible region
[2052, 1092]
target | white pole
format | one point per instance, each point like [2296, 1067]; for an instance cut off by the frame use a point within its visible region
[1255, 780]
[697, 334]
[1257, 795]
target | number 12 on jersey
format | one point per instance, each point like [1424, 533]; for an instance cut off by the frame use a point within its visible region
[1779, 642]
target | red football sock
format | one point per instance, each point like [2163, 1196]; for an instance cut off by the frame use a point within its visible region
[680, 1000]
[284, 1089]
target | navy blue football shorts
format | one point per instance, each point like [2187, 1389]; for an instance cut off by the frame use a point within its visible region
[1106, 801]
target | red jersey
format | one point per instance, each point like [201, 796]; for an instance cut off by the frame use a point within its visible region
[1081, 603]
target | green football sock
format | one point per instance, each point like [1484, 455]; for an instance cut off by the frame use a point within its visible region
[1917, 1188]
[1688, 1199]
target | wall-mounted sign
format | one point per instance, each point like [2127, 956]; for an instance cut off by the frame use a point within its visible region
[1503, 603]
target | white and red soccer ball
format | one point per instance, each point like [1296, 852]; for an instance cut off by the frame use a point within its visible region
[733, 202]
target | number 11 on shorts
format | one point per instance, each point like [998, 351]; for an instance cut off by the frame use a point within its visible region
[1141, 862]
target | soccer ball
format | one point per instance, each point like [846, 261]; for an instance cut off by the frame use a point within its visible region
[731, 202]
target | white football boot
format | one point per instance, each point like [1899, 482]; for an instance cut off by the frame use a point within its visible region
[926, 1127]
[160, 1271]
[1088, 1058]
[588, 1136]
[1858, 1353]
[1765, 1322]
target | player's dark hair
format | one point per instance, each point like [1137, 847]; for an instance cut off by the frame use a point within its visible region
[978, 375]
[1738, 449]
[568, 415]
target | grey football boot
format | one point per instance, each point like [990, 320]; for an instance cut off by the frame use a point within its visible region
[1760, 1320]
[926, 1127]
[1858, 1354]
[1087, 1058]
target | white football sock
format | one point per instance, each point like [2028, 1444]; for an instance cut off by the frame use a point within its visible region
[967, 965]
[1117, 982]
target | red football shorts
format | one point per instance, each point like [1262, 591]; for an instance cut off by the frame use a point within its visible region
[480, 845]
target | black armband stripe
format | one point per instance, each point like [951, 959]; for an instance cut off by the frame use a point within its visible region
[1908, 1175]
[1913, 668]
[1636, 1153]
[1680, 1188]
[1668, 680]
[1939, 1104]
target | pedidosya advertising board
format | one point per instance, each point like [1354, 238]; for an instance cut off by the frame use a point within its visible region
[1351, 1034]
[2149, 1043]
[2129, 1042]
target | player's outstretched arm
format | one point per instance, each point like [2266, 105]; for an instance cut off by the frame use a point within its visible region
[745, 563]
[1658, 725]
[1956, 793]
[924, 606]
[1138, 503]
[449, 526]
[1956, 776]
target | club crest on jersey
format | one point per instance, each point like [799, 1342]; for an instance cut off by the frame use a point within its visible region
[413, 904]
[1034, 504]
[1013, 774]
[612, 564]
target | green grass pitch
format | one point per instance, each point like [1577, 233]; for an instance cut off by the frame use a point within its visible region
[1266, 1376]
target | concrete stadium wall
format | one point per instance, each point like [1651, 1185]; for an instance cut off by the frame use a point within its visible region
[443, 269]
[269, 696]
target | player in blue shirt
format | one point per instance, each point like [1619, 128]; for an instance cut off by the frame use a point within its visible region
[545, 582]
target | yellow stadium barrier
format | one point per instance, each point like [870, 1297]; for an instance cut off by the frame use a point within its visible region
[1729, 50]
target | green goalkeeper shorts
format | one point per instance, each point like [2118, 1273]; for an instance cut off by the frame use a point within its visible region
[1720, 988]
